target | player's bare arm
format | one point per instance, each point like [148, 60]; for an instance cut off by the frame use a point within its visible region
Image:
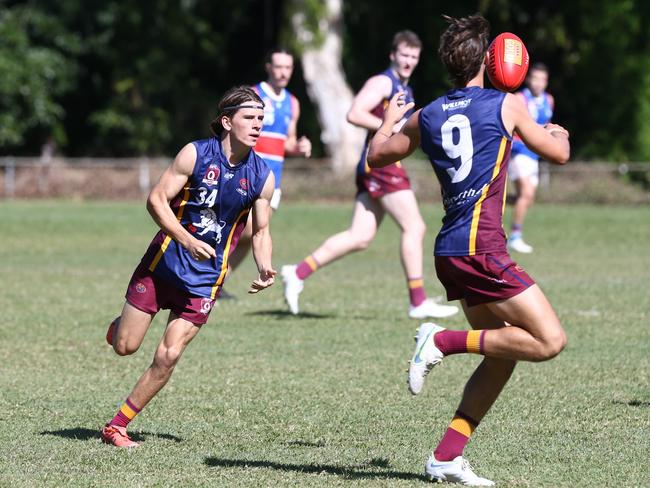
[386, 147]
[262, 243]
[551, 141]
[373, 92]
[295, 146]
[171, 182]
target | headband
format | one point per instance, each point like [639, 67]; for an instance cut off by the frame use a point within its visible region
[243, 105]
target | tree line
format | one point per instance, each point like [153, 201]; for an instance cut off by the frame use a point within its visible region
[111, 78]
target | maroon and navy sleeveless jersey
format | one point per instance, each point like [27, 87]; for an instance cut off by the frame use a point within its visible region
[213, 207]
[378, 111]
[463, 135]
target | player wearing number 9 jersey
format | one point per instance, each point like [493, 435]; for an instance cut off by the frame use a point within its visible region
[466, 133]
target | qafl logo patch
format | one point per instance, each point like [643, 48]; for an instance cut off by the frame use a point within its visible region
[206, 305]
[211, 177]
[140, 288]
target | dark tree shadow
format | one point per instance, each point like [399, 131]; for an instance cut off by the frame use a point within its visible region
[633, 403]
[361, 471]
[83, 434]
[287, 314]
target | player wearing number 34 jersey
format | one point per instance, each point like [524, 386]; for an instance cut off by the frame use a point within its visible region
[467, 133]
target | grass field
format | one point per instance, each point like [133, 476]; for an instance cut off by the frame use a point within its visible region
[263, 398]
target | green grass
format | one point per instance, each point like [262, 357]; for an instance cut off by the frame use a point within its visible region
[262, 398]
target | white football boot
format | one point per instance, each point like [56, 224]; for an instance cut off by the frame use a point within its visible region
[430, 309]
[519, 245]
[425, 357]
[457, 470]
[292, 286]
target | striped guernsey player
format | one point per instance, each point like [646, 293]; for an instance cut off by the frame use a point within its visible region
[201, 204]
[279, 133]
[379, 192]
[466, 133]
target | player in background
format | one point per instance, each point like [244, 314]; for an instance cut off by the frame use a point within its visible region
[466, 134]
[524, 163]
[379, 191]
[279, 133]
[201, 204]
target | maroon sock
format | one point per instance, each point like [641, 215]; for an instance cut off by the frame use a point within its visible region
[460, 341]
[455, 439]
[125, 414]
[416, 291]
[306, 267]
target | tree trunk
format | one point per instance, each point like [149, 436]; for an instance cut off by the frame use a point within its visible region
[327, 86]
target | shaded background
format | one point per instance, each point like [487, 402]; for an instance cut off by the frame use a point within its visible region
[110, 78]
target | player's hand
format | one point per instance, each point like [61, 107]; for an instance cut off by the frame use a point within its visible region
[199, 250]
[265, 279]
[555, 128]
[397, 108]
[304, 146]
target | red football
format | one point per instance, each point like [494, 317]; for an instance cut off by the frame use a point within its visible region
[508, 62]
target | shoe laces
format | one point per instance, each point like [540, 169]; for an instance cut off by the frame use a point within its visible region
[465, 466]
[113, 431]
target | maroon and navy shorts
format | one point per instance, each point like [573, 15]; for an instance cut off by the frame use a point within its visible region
[148, 293]
[481, 278]
[382, 181]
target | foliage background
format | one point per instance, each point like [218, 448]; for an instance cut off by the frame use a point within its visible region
[117, 78]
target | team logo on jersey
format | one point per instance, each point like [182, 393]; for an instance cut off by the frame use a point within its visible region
[212, 175]
[140, 288]
[206, 306]
[209, 223]
[243, 187]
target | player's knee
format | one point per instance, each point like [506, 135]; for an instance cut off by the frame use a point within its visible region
[125, 348]
[552, 345]
[167, 357]
[416, 229]
[361, 243]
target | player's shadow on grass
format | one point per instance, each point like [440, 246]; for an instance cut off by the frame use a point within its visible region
[287, 314]
[361, 471]
[633, 403]
[83, 434]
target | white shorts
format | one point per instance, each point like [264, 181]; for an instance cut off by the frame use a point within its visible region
[275, 199]
[522, 166]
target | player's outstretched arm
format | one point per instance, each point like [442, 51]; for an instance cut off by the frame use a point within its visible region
[386, 147]
[262, 243]
[171, 182]
[551, 141]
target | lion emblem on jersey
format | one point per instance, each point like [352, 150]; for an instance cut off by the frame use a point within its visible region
[209, 223]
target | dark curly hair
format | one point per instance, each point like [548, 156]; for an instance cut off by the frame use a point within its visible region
[463, 46]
